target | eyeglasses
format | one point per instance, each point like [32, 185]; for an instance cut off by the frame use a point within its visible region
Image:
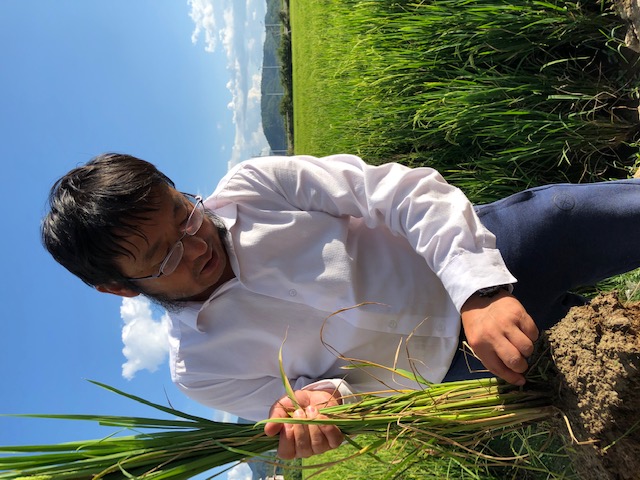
[174, 257]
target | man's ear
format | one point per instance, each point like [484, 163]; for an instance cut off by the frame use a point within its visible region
[118, 290]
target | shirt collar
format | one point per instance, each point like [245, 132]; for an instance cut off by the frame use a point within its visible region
[227, 213]
[188, 314]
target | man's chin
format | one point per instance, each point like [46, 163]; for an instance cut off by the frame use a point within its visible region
[169, 304]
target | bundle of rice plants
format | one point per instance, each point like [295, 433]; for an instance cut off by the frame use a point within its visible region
[453, 417]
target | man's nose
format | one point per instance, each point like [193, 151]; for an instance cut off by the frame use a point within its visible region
[194, 246]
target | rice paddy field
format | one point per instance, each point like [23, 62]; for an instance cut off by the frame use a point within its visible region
[497, 95]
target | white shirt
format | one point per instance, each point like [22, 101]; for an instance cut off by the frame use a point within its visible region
[309, 237]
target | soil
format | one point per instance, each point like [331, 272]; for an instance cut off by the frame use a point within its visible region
[595, 373]
[629, 11]
[594, 356]
[594, 365]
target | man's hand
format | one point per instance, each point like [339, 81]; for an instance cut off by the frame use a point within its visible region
[501, 333]
[302, 441]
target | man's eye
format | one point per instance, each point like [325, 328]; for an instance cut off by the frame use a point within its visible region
[183, 224]
[159, 261]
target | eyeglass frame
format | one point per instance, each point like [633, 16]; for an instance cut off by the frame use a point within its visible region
[197, 206]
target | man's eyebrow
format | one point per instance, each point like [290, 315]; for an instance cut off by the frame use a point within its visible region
[155, 246]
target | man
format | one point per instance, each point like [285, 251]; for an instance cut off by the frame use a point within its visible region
[335, 261]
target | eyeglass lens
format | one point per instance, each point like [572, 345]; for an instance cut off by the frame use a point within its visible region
[194, 222]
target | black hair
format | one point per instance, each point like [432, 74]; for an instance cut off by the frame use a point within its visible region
[93, 208]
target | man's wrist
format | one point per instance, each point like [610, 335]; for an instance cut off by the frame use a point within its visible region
[489, 292]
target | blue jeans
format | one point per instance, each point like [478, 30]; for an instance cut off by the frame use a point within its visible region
[558, 237]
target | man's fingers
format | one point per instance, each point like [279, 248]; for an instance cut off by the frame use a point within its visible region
[315, 439]
[529, 328]
[510, 354]
[519, 346]
[323, 437]
[273, 428]
[302, 436]
[286, 444]
[498, 368]
[300, 440]
[333, 435]
[281, 408]
[503, 360]
[522, 343]
[294, 439]
[309, 439]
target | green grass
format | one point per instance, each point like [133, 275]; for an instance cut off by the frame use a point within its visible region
[497, 95]
[315, 57]
[390, 462]
[542, 457]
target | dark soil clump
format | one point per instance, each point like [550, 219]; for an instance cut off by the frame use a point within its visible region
[594, 356]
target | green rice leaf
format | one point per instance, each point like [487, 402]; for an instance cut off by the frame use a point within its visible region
[285, 378]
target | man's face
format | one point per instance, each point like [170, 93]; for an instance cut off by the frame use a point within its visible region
[204, 265]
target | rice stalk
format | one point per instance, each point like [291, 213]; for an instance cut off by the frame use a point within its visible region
[453, 419]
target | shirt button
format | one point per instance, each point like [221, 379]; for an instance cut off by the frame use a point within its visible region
[393, 324]
[292, 292]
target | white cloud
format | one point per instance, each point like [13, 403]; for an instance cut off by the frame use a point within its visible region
[202, 15]
[255, 93]
[240, 472]
[145, 339]
[239, 28]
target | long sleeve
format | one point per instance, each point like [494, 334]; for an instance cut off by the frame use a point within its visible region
[436, 218]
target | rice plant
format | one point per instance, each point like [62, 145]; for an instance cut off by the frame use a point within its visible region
[453, 419]
[499, 95]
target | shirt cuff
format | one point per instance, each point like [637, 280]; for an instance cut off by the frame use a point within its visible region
[347, 395]
[469, 272]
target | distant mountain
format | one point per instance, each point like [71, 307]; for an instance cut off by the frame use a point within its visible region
[271, 87]
[263, 469]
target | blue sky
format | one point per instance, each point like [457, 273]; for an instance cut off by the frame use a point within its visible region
[173, 82]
